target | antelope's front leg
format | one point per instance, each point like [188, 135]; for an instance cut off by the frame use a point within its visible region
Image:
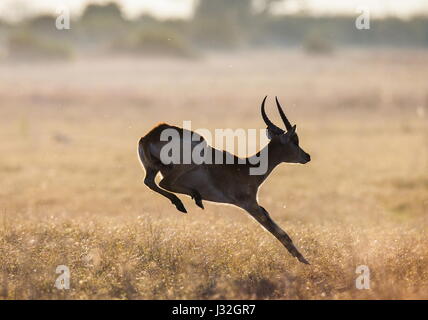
[172, 183]
[262, 216]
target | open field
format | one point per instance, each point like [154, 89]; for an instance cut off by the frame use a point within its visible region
[72, 192]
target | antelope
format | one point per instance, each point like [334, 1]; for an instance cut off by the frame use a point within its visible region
[224, 183]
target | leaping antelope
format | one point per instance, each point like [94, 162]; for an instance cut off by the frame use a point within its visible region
[224, 183]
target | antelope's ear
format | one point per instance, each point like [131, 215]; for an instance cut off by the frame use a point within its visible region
[285, 138]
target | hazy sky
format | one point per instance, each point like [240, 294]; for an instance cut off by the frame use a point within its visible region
[182, 8]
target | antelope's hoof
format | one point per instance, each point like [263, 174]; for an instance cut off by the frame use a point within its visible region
[180, 206]
[195, 195]
[199, 203]
[302, 259]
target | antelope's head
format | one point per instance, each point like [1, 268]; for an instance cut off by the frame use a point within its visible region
[290, 151]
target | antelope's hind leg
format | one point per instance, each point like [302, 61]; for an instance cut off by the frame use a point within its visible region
[172, 183]
[149, 181]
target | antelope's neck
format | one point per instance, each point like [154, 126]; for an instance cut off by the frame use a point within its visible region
[273, 160]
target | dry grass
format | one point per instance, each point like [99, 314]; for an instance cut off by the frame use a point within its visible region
[72, 193]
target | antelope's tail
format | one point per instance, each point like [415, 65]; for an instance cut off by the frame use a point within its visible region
[141, 153]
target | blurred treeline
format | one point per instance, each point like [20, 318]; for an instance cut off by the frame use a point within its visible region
[215, 25]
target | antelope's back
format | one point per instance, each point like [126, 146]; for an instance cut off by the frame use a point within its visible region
[150, 146]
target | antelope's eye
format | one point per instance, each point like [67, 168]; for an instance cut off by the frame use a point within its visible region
[295, 140]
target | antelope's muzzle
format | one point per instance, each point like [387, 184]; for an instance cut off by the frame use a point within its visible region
[305, 158]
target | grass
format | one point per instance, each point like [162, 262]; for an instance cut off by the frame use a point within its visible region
[72, 191]
[170, 259]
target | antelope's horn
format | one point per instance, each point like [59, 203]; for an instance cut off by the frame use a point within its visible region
[269, 123]
[283, 117]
